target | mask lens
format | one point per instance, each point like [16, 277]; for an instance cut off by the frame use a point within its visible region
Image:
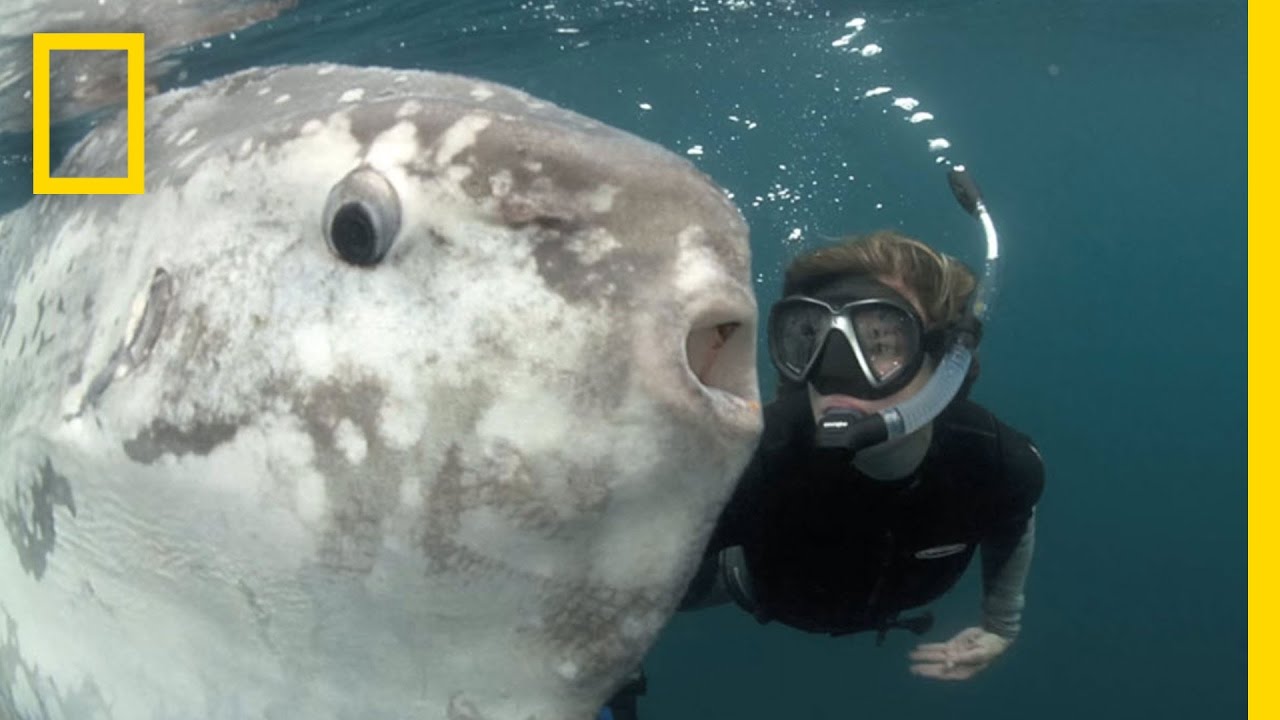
[796, 333]
[888, 337]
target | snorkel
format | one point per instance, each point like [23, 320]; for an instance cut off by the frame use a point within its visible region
[852, 431]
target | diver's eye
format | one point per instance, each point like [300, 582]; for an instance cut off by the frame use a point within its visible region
[362, 217]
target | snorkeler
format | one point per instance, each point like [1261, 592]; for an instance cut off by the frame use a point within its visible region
[876, 479]
[828, 537]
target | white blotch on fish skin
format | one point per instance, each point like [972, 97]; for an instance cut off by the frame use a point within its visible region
[506, 418]
[871, 49]
[567, 670]
[601, 199]
[325, 70]
[246, 148]
[939, 144]
[314, 350]
[481, 93]
[352, 95]
[593, 246]
[189, 158]
[457, 174]
[906, 103]
[459, 136]
[695, 150]
[395, 146]
[351, 441]
[877, 91]
[311, 127]
[921, 117]
[264, 90]
[283, 98]
[533, 166]
[699, 268]
[408, 109]
[500, 183]
[187, 137]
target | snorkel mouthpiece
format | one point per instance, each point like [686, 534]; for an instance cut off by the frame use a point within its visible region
[849, 430]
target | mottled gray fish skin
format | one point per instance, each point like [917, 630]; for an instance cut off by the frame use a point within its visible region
[241, 477]
[84, 82]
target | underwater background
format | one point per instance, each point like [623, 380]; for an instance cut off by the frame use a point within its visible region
[1109, 138]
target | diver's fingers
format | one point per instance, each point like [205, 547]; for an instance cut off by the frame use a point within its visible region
[932, 652]
[943, 672]
[964, 672]
[930, 670]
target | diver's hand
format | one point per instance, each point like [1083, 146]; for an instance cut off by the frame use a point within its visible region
[961, 657]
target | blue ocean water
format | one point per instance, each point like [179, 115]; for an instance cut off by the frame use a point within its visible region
[1110, 139]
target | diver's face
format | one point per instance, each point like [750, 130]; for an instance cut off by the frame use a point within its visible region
[821, 404]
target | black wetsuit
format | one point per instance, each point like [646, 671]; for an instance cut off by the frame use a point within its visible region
[830, 550]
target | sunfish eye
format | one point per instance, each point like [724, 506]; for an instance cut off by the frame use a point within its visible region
[362, 217]
[353, 235]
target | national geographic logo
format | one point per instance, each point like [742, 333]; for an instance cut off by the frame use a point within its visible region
[134, 47]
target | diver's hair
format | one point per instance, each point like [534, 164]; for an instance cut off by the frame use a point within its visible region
[941, 283]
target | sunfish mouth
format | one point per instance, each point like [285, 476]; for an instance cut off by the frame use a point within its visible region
[719, 356]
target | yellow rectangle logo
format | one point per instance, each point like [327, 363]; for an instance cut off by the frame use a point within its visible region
[134, 47]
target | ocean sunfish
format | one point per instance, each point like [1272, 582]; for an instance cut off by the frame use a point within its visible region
[397, 395]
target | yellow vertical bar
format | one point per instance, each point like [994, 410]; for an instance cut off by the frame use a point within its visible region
[1264, 474]
[136, 59]
[39, 112]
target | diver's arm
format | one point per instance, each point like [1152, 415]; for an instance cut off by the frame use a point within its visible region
[1008, 545]
[1006, 557]
[1006, 560]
